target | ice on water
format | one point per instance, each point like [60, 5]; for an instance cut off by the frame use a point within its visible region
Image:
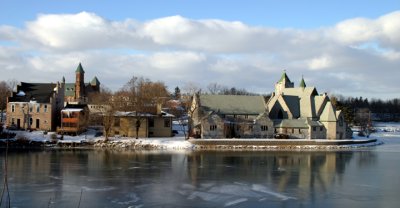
[231, 194]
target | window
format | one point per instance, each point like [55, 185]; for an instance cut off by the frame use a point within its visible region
[293, 131]
[299, 131]
[265, 128]
[37, 108]
[12, 121]
[341, 121]
[246, 116]
[12, 108]
[117, 122]
[151, 122]
[30, 121]
[250, 127]
[45, 108]
[314, 128]
[30, 109]
[167, 123]
[213, 127]
[321, 128]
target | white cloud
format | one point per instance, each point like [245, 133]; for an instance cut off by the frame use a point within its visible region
[384, 30]
[321, 62]
[178, 50]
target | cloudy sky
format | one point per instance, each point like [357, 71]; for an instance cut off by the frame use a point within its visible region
[344, 48]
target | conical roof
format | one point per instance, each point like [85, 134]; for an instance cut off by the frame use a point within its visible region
[302, 83]
[79, 69]
[284, 77]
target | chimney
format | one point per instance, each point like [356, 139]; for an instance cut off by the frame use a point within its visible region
[159, 106]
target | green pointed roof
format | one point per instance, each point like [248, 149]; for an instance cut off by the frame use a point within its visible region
[302, 83]
[284, 76]
[95, 81]
[79, 69]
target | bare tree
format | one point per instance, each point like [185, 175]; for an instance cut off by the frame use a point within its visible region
[104, 109]
[191, 88]
[142, 96]
[5, 91]
[214, 88]
[191, 106]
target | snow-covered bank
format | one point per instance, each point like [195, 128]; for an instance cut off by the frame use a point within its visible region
[173, 143]
[90, 140]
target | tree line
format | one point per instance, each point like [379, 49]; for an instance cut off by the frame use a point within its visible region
[359, 109]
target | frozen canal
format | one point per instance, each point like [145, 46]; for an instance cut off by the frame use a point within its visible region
[366, 177]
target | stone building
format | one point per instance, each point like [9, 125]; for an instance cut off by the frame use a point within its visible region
[151, 125]
[230, 116]
[290, 112]
[35, 106]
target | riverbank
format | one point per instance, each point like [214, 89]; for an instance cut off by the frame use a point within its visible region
[179, 143]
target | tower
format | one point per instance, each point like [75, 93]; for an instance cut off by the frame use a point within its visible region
[95, 83]
[283, 83]
[79, 83]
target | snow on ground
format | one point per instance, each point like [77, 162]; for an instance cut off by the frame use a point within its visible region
[384, 131]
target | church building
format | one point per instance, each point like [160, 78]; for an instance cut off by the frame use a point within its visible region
[79, 92]
[290, 112]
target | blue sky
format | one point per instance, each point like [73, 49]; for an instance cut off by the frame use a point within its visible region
[295, 13]
[341, 47]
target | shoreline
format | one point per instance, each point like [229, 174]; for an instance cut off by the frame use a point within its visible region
[196, 144]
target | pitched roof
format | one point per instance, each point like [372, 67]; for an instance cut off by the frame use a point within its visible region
[293, 104]
[39, 92]
[233, 104]
[95, 81]
[291, 123]
[69, 89]
[79, 69]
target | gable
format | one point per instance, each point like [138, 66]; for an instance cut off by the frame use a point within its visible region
[328, 114]
[292, 102]
[69, 90]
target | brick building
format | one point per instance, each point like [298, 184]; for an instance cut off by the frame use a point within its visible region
[35, 106]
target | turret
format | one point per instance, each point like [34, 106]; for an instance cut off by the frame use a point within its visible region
[302, 83]
[283, 83]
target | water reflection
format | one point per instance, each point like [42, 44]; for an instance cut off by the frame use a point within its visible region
[122, 179]
[308, 172]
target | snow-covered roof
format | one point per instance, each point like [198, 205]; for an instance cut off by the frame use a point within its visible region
[133, 114]
[72, 110]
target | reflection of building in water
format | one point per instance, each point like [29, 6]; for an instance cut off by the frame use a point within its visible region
[309, 173]
[313, 172]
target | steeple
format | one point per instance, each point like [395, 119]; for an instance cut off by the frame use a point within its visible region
[79, 69]
[284, 82]
[95, 82]
[284, 77]
[302, 83]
